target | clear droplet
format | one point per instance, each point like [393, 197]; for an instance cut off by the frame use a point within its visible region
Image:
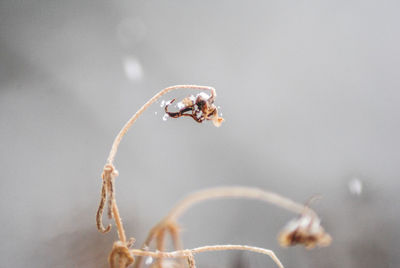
[162, 103]
[165, 117]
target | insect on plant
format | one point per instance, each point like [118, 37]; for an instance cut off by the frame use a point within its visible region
[305, 230]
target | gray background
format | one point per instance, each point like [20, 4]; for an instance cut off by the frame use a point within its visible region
[309, 91]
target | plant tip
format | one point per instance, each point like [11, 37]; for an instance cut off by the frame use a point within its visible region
[305, 230]
[199, 108]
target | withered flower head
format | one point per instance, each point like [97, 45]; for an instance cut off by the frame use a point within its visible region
[305, 230]
[199, 108]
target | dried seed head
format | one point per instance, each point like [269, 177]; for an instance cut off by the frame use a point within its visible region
[305, 230]
[200, 108]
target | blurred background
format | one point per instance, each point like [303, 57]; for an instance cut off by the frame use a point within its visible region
[310, 92]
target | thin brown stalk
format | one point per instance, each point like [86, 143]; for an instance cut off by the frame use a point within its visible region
[132, 120]
[307, 232]
[99, 214]
[110, 173]
[187, 253]
[191, 261]
[234, 192]
[118, 222]
[218, 193]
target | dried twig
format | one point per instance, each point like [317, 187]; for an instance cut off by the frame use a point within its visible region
[110, 173]
[200, 108]
[170, 221]
[235, 192]
[188, 253]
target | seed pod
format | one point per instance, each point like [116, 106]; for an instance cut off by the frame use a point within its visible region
[305, 230]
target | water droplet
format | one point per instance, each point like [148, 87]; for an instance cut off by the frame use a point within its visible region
[165, 117]
[155, 113]
[162, 103]
[355, 186]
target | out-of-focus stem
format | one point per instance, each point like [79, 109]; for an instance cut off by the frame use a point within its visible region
[218, 193]
[188, 252]
[235, 192]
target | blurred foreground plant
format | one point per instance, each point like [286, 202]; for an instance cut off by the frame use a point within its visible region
[306, 229]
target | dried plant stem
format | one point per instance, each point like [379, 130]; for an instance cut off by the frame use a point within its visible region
[169, 223]
[200, 109]
[99, 214]
[130, 122]
[188, 253]
[224, 192]
[191, 261]
[110, 173]
[235, 192]
[118, 222]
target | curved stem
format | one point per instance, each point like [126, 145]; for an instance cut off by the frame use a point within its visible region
[132, 120]
[235, 192]
[188, 252]
[239, 247]
[99, 214]
[109, 171]
[219, 193]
